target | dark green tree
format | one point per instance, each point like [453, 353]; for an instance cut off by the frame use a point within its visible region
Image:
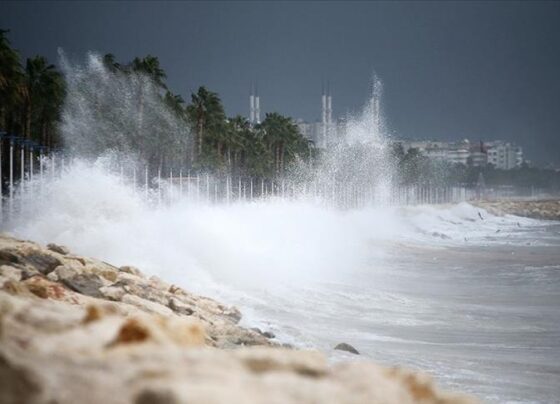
[208, 120]
[11, 83]
[43, 85]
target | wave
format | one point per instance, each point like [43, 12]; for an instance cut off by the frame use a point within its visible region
[248, 243]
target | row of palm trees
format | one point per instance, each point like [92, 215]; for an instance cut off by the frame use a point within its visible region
[31, 95]
[217, 143]
[234, 145]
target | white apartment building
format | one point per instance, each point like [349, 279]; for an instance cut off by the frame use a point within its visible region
[459, 155]
[478, 158]
[504, 155]
[454, 153]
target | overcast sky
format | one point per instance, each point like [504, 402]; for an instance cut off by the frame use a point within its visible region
[477, 70]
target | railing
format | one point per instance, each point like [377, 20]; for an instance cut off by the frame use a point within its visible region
[31, 177]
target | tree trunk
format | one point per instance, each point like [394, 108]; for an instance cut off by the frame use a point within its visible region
[192, 151]
[2, 117]
[140, 142]
[277, 160]
[27, 131]
[220, 148]
[282, 158]
[44, 133]
[49, 140]
[199, 134]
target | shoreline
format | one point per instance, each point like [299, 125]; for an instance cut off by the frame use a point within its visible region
[72, 326]
[544, 209]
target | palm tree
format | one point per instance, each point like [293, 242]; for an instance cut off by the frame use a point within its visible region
[206, 114]
[251, 152]
[41, 81]
[282, 136]
[11, 78]
[147, 67]
[52, 94]
[150, 66]
[174, 102]
[238, 141]
[110, 62]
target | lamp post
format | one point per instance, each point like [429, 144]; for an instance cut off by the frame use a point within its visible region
[2, 136]
[13, 140]
[32, 146]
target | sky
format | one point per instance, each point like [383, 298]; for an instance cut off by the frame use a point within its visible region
[450, 70]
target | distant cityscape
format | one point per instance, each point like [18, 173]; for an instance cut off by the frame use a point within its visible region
[500, 154]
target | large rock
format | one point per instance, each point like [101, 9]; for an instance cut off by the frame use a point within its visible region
[28, 255]
[18, 384]
[72, 334]
[9, 273]
[78, 279]
[58, 249]
[97, 354]
[343, 346]
[86, 284]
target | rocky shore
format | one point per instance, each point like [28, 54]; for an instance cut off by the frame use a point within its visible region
[541, 209]
[75, 329]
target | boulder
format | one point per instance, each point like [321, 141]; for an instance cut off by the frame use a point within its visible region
[9, 273]
[114, 293]
[69, 334]
[159, 330]
[343, 346]
[18, 384]
[179, 307]
[146, 305]
[45, 289]
[266, 334]
[58, 249]
[41, 260]
[86, 284]
[66, 271]
[156, 396]
[130, 270]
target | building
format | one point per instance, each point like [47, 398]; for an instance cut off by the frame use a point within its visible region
[478, 158]
[504, 155]
[450, 152]
[254, 106]
[324, 132]
[459, 153]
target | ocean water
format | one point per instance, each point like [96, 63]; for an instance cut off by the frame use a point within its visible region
[471, 298]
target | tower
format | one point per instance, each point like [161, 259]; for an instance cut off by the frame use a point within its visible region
[257, 106]
[254, 106]
[251, 108]
[326, 115]
[329, 105]
[323, 117]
